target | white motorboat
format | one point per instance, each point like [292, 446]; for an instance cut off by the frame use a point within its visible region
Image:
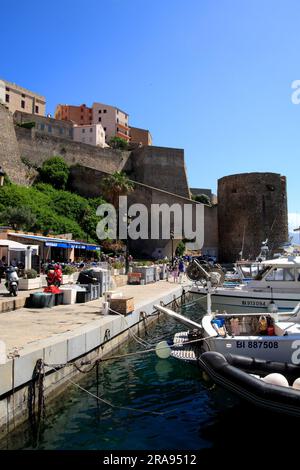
[266, 336]
[276, 286]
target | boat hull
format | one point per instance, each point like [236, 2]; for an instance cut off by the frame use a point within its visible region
[270, 348]
[284, 400]
[250, 300]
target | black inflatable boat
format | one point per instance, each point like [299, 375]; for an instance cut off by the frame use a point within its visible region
[235, 374]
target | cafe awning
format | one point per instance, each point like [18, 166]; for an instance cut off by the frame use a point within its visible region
[16, 246]
[58, 242]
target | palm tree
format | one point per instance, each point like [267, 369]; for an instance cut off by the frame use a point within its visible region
[115, 185]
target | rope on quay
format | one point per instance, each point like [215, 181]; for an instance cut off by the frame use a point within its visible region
[36, 417]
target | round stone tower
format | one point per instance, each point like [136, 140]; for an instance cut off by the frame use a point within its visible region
[252, 207]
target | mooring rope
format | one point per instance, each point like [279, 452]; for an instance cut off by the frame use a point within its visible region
[139, 340]
[135, 353]
[120, 407]
[36, 417]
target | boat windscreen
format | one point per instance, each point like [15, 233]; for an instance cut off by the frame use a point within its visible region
[261, 273]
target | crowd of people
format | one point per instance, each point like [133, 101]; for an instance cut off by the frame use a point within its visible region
[177, 269]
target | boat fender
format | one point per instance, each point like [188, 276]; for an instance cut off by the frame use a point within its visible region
[163, 350]
[276, 379]
[296, 384]
[272, 307]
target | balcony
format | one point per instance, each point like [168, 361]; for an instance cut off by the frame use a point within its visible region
[122, 135]
[126, 128]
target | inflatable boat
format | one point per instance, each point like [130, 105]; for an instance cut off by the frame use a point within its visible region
[256, 380]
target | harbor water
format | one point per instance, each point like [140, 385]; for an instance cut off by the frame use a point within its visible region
[156, 404]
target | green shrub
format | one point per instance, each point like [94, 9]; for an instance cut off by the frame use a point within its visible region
[118, 265]
[180, 249]
[19, 217]
[144, 263]
[69, 270]
[30, 274]
[118, 143]
[55, 171]
[203, 198]
[42, 208]
[27, 125]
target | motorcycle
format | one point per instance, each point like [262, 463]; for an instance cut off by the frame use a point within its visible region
[12, 280]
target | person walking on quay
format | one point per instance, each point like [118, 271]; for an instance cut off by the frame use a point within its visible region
[181, 269]
[175, 272]
[169, 269]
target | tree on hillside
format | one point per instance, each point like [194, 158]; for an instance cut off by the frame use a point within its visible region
[202, 198]
[18, 217]
[180, 249]
[118, 143]
[55, 171]
[115, 185]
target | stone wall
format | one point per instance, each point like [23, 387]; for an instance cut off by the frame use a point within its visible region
[38, 147]
[87, 182]
[162, 168]
[46, 125]
[211, 235]
[158, 168]
[251, 208]
[9, 149]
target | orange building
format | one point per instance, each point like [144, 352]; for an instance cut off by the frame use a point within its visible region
[81, 115]
[140, 136]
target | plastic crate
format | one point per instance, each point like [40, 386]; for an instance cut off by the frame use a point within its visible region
[134, 278]
[59, 298]
[41, 300]
[69, 295]
[93, 290]
[148, 274]
[83, 296]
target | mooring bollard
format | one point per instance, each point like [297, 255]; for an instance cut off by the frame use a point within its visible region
[105, 308]
[3, 357]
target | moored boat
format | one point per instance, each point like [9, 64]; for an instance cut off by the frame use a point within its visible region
[272, 337]
[275, 286]
[270, 385]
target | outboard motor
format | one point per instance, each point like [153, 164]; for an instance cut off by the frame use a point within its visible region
[204, 272]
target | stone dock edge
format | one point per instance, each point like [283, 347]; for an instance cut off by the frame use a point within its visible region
[93, 341]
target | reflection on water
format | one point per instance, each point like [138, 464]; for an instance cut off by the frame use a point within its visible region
[194, 413]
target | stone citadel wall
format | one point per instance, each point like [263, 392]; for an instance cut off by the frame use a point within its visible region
[9, 149]
[251, 208]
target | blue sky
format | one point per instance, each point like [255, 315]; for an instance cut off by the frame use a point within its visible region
[212, 77]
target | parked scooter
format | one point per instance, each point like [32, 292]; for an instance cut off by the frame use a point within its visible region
[54, 275]
[12, 280]
[58, 275]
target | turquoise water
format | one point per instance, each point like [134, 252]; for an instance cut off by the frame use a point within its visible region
[194, 414]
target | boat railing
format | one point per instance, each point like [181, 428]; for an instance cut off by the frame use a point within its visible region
[230, 315]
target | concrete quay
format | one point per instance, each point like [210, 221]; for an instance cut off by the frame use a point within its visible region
[63, 334]
[8, 303]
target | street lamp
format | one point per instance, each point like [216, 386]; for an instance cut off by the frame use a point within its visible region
[172, 240]
[2, 174]
[127, 219]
